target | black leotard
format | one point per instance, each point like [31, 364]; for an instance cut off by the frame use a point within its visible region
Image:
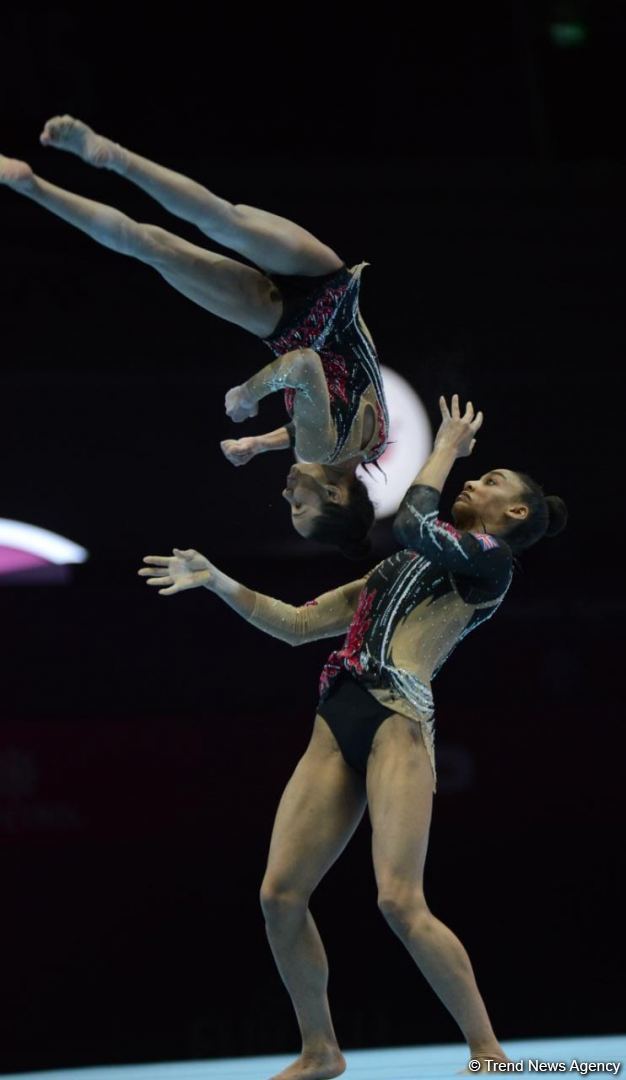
[417, 605]
[401, 622]
[326, 317]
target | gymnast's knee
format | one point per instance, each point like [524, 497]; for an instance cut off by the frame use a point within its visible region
[150, 243]
[405, 909]
[280, 903]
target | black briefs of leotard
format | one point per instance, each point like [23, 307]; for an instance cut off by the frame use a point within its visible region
[297, 293]
[354, 716]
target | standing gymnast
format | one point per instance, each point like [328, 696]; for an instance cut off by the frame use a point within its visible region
[302, 301]
[373, 737]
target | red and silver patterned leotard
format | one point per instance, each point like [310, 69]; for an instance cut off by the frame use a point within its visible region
[416, 606]
[327, 319]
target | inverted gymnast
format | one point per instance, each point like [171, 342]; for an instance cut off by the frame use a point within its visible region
[373, 737]
[302, 301]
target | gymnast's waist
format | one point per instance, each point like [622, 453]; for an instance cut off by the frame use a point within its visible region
[396, 688]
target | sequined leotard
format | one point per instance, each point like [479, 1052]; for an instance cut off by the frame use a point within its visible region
[417, 605]
[405, 618]
[327, 319]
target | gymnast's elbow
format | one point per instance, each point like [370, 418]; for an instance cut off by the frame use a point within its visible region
[297, 636]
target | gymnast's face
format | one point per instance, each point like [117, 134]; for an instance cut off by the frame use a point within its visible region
[308, 489]
[494, 503]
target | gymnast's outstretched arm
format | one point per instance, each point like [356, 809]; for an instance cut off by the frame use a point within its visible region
[417, 524]
[330, 614]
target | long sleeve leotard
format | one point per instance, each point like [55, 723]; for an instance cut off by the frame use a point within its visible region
[407, 615]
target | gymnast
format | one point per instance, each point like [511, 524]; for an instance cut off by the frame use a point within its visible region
[373, 737]
[299, 298]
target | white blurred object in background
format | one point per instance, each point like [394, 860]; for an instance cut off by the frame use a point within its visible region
[410, 443]
[26, 547]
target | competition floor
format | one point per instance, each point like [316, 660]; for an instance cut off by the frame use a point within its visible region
[404, 1063]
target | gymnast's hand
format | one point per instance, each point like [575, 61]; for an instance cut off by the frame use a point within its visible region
[457, 432]
[240, 405]
[175, 573]
[240, 451]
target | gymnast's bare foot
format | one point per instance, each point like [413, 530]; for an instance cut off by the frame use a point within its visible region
[484, 1058]
[66, 133]
[16, 174]
[319, 1066]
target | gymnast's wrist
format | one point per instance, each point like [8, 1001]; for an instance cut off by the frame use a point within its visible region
[222, 585]
[262, 443]
[214, 583]
[446, 446]
[251, 398]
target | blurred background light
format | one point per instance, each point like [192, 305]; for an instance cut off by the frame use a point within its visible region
[568, 35]
[410, 440]
[27, 547]
[567, 24]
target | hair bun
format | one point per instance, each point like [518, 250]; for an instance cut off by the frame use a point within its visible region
[557, 515]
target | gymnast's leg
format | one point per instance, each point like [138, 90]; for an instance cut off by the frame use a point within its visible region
[273, 243]
[399, 789]
[223, 286]
[318, 813]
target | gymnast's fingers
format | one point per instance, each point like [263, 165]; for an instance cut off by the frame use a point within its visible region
[157, 560]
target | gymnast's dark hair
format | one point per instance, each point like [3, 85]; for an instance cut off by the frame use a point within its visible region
[547, 516]
[347, 527]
